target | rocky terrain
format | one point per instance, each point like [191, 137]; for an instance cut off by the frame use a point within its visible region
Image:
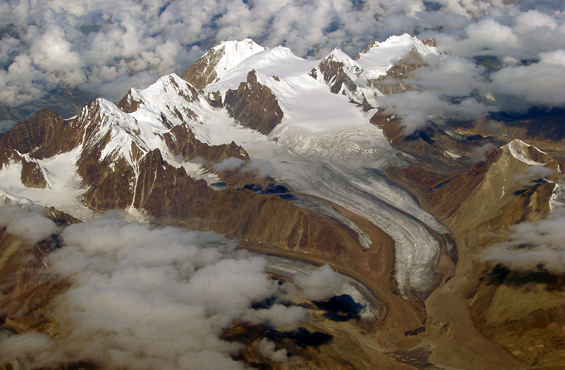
[293, 158]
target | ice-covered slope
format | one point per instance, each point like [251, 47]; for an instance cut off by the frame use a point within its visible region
[107, 135]
[219, 60]
[379, 57]
[278, 63]
[324, 146]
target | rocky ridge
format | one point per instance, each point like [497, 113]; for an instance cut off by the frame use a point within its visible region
[284, 162]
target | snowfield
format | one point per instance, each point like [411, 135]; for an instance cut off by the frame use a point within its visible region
[324, 146]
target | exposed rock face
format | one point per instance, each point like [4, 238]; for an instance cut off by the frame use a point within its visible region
[254, 105]
[94, 141]
[430, 42]
[164, 191]
[33, 132]
[439, 193]
[334, 73]
[32, 175]
[182, 142]
[505, 184]
[366, 50]
[26, 290]
[43, 135]
[128, 104]
[202, 73]
[155, 151]
[147, 182]
[433, 145]
[545, 127]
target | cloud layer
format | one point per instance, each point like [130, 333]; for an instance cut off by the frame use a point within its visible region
[532, 245]
[507, 58]
[147, 298]
[321, 283]
[27, 223]
[105, 47]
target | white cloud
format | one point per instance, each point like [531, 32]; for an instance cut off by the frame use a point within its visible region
[35, 346]
[228, 164]
[259, 167]
[417, 107]
[532, 174]
[108, 46]
[321, 283]
[27, 222]
[480, 153]
[269, 350]
[278, 315]
[452, 76]
[522, 87]
[146, 298]
[530, 245]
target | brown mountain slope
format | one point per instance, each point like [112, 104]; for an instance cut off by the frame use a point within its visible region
[520, 311]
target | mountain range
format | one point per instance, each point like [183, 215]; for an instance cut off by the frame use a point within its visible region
[293, 158]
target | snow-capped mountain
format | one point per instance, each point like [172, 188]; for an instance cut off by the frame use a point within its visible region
[286, 110]
[293, 157]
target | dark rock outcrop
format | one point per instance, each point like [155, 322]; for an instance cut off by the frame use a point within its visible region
[128, 104]
[254, 105]
[43, 135]
[334, 74]
[32, 176]
[202, 73]
[182, 142]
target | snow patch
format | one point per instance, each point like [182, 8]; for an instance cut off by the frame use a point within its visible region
[65, 188]
[519, 150]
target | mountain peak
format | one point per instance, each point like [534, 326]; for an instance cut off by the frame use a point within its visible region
[526, 153]
[234, 52]
[337, 53]
[337, 70]
[377, 58]
[221, 58]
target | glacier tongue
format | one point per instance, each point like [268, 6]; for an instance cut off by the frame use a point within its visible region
[349, 179]
[324, 146]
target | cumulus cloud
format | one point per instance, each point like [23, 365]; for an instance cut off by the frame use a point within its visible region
[108, 46]
[269, 350]
[497, 57]
[521, 87]
[532, 174]
[321, 283]
[259, 167]
[35, 346]
[532, 245]
[417, 107]
[480, 153]
[277, 315]
[146, 298]
[27, 222]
